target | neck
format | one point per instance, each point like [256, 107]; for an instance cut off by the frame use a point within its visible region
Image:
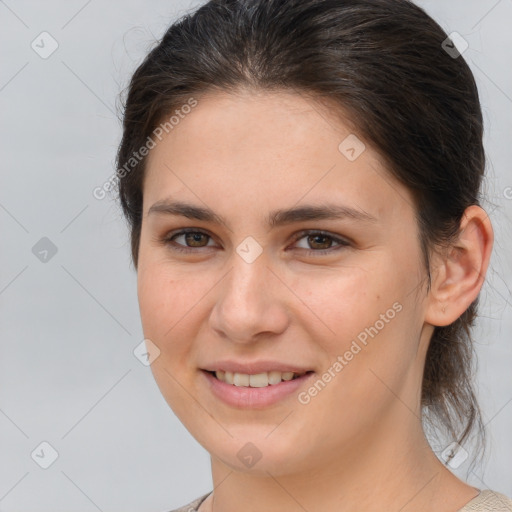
[388, 467]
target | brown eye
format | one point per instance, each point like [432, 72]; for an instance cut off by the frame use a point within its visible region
[193, 238]
[190, 240]
[319, 243]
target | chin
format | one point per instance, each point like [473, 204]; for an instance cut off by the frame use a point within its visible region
[254, 451]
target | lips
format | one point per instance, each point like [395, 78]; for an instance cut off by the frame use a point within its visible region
[240, 396]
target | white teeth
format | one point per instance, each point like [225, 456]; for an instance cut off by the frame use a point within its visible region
[274, 377]
[259, 380]
[241, 379]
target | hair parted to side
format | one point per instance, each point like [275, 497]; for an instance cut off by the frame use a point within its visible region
[382, 63]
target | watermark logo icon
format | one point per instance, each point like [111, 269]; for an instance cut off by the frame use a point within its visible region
[146, 352]
[44, 250]
[455, 45]
[352, 147]
[44, 45]
[44, 455]
[249, 455]
[249, 249]
[454, 455]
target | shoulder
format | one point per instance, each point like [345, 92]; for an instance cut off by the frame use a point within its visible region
[486, 501]
[193, 505]
[489, 501]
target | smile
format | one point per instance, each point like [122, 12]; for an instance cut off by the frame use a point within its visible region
[258, 380]
[254, 391]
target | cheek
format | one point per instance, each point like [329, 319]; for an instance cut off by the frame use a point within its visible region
[154, 300]
[166, 304]
[347, 299]
[367, 312]
[167, 314]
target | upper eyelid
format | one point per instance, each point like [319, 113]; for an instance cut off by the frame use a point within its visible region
[305, 232]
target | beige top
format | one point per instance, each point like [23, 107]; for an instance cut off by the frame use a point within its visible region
[486, 501]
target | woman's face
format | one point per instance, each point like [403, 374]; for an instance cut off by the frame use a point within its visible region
[340, 296]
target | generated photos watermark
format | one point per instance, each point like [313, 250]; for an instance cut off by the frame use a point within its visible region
[304, 397]
[100, 192]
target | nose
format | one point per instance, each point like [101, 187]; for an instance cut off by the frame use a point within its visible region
[250, 303]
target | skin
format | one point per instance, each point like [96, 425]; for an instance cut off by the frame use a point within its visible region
[359, 441]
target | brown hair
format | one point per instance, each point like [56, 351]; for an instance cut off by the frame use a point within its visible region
[383, 62]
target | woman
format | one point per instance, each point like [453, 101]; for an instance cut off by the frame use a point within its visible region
[302, 180]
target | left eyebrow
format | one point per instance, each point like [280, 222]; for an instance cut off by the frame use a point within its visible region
[275, 218]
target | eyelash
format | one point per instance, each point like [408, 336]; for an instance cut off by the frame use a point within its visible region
[168, 241]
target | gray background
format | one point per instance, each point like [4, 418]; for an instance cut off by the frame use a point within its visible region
[69, 325]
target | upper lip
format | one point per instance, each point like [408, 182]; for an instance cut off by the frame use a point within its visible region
[255, 367]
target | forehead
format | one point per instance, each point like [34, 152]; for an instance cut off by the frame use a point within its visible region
[246, 122]
[271, 147]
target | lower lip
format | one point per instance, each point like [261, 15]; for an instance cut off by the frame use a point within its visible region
[254, 398]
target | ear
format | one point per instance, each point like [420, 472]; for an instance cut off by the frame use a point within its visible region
[459, 274]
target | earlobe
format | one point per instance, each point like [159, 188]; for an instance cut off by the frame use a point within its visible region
[460, 272]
